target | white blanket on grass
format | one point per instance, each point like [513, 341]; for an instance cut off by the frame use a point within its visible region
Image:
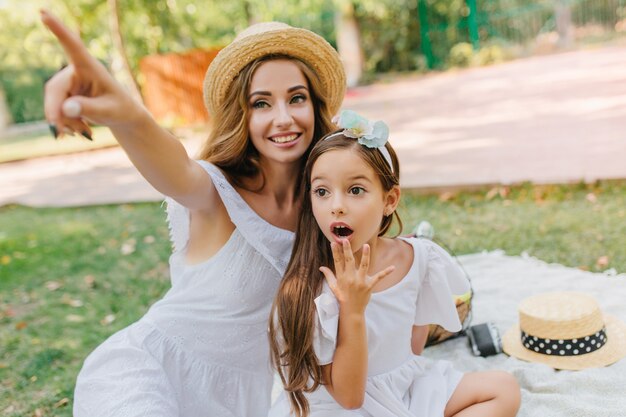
[500, 282]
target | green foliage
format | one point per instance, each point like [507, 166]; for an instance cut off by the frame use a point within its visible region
[461, 55]
[390, 31]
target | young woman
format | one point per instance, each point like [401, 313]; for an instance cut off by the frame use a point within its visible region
[202, 349]
[345, 326]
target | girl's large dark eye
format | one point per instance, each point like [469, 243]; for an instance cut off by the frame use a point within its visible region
[357, 190]
[320, 192]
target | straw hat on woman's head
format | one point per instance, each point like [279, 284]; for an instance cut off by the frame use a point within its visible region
[275, 38]
[565, 330]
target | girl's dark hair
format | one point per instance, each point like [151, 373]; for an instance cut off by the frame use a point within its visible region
[292, 322]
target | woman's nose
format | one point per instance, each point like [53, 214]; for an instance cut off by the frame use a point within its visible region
[283, 116]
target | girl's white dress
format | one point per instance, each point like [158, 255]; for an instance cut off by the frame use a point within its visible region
[202, 350]
[399, 383]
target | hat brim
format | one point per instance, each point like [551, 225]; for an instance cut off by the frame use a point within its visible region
[611, 352]
[299, 43]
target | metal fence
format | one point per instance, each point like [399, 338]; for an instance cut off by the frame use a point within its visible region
[514, 22]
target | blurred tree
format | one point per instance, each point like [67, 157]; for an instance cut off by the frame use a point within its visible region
[349, 41]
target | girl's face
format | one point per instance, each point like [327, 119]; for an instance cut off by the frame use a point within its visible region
[348, 199]
[281, 116]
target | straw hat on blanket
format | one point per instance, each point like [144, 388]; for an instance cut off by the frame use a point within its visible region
[275, 38]
[565, 330]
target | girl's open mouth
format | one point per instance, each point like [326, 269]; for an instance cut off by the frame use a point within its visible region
[342, 231]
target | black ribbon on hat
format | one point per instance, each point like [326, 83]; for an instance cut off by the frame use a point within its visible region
[565, 347]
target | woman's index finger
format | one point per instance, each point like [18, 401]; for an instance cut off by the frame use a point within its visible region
[74, 48]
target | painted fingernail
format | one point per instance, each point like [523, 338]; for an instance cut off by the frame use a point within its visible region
[54, 130]
[86, 134]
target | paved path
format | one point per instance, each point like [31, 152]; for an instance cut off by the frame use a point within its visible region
[558, 118]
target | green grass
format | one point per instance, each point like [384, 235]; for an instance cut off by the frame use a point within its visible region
[65, 285]
[35, 145]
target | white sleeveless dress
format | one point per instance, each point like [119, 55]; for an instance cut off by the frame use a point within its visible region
[399, 383]
[203, 349]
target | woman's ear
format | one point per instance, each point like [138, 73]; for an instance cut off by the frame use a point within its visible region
[392, 199]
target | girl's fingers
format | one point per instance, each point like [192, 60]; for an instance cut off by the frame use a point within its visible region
[365, 261]
[348, 256]
[380, 275]
[330, 278]
[337, 258]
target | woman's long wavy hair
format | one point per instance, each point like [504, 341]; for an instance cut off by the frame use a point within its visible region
[292, 322]
[229, 146]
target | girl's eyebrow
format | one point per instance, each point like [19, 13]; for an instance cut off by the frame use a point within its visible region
[267, 93]
[353, 178]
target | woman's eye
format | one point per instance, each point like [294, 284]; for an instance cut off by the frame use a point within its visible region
[260, 104]
[298, 98]
[357, 190]
[320, 192]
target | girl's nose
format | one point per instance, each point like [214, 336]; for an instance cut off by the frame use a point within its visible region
[338, 207]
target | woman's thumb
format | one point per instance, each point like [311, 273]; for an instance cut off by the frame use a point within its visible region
[83, 107]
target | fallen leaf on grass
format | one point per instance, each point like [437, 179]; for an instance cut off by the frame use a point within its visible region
[591, 197]
[74, 318]
[108, 319]
[38, 413]
[602, 262]
[90, 281]
[128, 247]
[491, 193]
[61, 403]
[20, 325]
[5, 260]
[149, 239]
[446, 196]
[71, 302]
[53, 285]
[8, 312]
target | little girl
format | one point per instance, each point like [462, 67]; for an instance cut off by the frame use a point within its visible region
[345, 338]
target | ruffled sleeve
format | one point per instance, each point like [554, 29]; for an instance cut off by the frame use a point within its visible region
[325, 338]
[178, 223]
[441, 279]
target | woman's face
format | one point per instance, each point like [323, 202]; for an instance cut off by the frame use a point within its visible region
[281, 116]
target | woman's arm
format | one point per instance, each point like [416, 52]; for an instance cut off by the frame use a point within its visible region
[84, 91]
[345, 378]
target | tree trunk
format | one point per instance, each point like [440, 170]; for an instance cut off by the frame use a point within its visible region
[349, 42]
[563, 17]
[120, 65]
[5, 115]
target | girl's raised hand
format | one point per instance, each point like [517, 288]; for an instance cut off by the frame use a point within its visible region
[84, 90]
[352, 287]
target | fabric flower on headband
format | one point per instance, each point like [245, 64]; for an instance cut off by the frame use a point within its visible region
[370, 134]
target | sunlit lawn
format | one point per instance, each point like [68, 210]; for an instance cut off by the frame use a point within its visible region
[71, 277]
